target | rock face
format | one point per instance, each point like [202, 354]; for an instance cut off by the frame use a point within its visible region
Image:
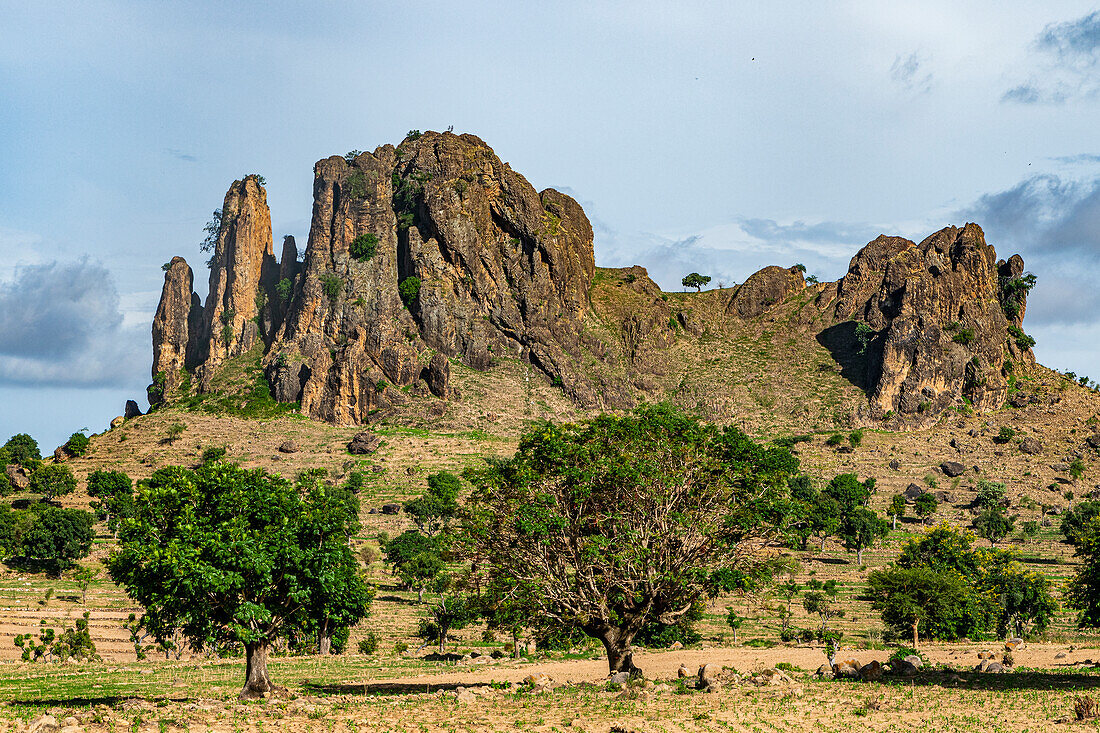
[242, 278]
[176, 326]
[937, 313]
[435, 251]
[764, 289]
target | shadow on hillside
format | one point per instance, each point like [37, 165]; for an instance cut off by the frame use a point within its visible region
[1046, 680]
[841, 342]
[385, 688]
[399, 599]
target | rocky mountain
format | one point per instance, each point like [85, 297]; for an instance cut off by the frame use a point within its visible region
[435, 253]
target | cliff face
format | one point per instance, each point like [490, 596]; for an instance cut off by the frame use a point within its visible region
[436, 249]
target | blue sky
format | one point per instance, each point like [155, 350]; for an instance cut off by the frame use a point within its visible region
[711, 136]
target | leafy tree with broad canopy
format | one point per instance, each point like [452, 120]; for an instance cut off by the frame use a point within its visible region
[226, 554]
[621, 521]
[695, 280]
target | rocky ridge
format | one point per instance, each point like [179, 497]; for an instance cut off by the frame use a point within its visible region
[436, 250]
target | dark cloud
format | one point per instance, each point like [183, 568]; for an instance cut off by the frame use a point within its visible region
[1055, 225]
[906, 72]
[1068, 64]
[60, 324]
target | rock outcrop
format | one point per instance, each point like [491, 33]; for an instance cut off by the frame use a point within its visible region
[176, 327]
[436, 250]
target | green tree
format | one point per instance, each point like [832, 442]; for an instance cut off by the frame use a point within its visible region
[734, 621]
[925, 506]
[994, 524]
[438, 505]
[58, 537]
[825, 518]
[920, 600]
[859, 530]
[695, 280]
[53, 480]
[897, 507]
[820, 600]
[624, 520]
[83, 578]
[225, 554]
[415, 559]
[22, 449]
[1083, 590]
[113, 492]
[283, 289]
[1076, 518]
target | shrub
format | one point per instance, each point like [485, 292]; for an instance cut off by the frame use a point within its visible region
[364, 247]
[1077, 518]
[1023, 341]
[413, 135]
[77, 444]
[855, 437]
[1077, 468]
[357, 186]
[53, 480]
[213, 454]
[409, 289]
[283, 289]
[925, 506]
[400, 647]
[1006, 434]
[368, 645]
[1013, 293]
[964, 336]
[834, 440]
[74, 643]
[864, 334]
[175, 430]
[990, 493]
[331, 285]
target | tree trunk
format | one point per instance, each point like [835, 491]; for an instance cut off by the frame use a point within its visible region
[324, 638]
[735, 637]
[823, 544]
[620, 657]
[443, 639]
[516, 654]
[420, 594]
[256, 681]
[895, 522]
[915, 639]
[859, 556]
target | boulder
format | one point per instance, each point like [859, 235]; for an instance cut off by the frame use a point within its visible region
[825, 671]
[118, 422]
[438, 375]
[945, 497]
[1031, 446]
[847, 669]
[289, 446]
[908, 666]
[44, 724]
[391, 509]
[708, 674]
[364, 443]
[764, 289]
[17, 477]
[895, 464]
[1013, 644]
[683, 671]
[1093, 441]
[871, 672]
[952, 468]
[131, 410]
[912, 491]
[619, 678]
